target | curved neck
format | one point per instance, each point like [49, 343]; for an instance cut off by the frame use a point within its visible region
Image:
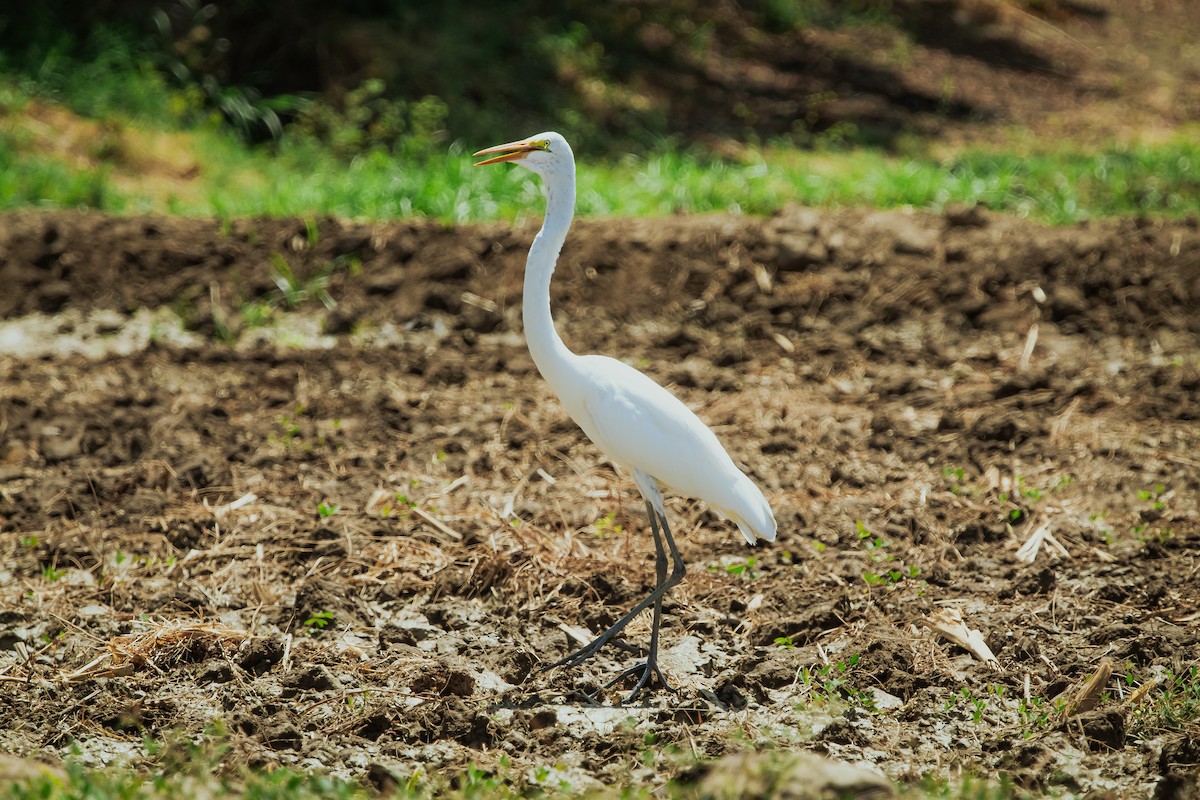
[548, 351]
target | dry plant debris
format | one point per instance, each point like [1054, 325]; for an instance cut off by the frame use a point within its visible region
[360, 554]
[160, 647]
[949, 623]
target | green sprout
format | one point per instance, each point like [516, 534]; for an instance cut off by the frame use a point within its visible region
[744, 569]
[606, 525]
[318, 621]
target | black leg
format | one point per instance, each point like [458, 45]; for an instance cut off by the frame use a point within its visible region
[665, 583]
[648, 669]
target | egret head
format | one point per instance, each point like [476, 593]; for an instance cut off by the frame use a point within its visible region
[546, 154]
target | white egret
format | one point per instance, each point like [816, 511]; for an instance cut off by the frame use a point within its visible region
[638, 424]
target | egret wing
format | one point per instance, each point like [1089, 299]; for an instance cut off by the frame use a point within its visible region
[641, 425]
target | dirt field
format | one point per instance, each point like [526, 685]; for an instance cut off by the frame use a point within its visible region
[348, 538]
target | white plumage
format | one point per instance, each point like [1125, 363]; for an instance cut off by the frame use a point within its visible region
[638, 424]
[641, 426]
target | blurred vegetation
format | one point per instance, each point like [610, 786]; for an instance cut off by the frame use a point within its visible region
[365, 109]
[209, 770]
[369, 73]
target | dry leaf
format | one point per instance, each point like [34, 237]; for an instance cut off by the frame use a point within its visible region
[1087, 695]
[949, 623]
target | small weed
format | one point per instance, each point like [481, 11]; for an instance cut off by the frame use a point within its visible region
[1019, 503]
[956, 477]
[1036, 714]
[872, 542]
[289, 428]
[606, 525]
[358, 702]
[980, 705]
[1174, 703]
[1157, 498]
[827, 683]
[327, 510]
[403, 504]
[257, 314]
[1097, 523]
[876, 548]
[51, 573]
[784, 642]
[29, 540]
[293, 291]
[1154, 496]
[976, 706]
[318, 621]
[476, 781]
[46, 638]
[968, 787]
[890, 577]
[744, 569]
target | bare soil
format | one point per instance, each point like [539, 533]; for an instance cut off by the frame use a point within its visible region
[348, 538]
[917, 394]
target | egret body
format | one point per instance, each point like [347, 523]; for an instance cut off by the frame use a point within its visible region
[638, 424]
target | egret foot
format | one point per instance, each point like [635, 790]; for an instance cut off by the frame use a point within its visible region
[591, 648]
[649, 670]
[584, 698]
[578, 657]
[666, 581]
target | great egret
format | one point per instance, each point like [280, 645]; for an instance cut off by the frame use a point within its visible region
[637, 423]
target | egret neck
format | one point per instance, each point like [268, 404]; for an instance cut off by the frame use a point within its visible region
[549, 353]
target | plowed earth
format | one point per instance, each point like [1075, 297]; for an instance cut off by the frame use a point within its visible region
[350, 537]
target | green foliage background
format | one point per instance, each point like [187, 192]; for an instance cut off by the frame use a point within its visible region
[599, 70]
[369, 109]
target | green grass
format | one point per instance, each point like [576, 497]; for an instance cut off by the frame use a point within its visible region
[120, 784]
[190, 781]
[105, 77]
[32, 180]
[300, 176]
[1174, 705]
